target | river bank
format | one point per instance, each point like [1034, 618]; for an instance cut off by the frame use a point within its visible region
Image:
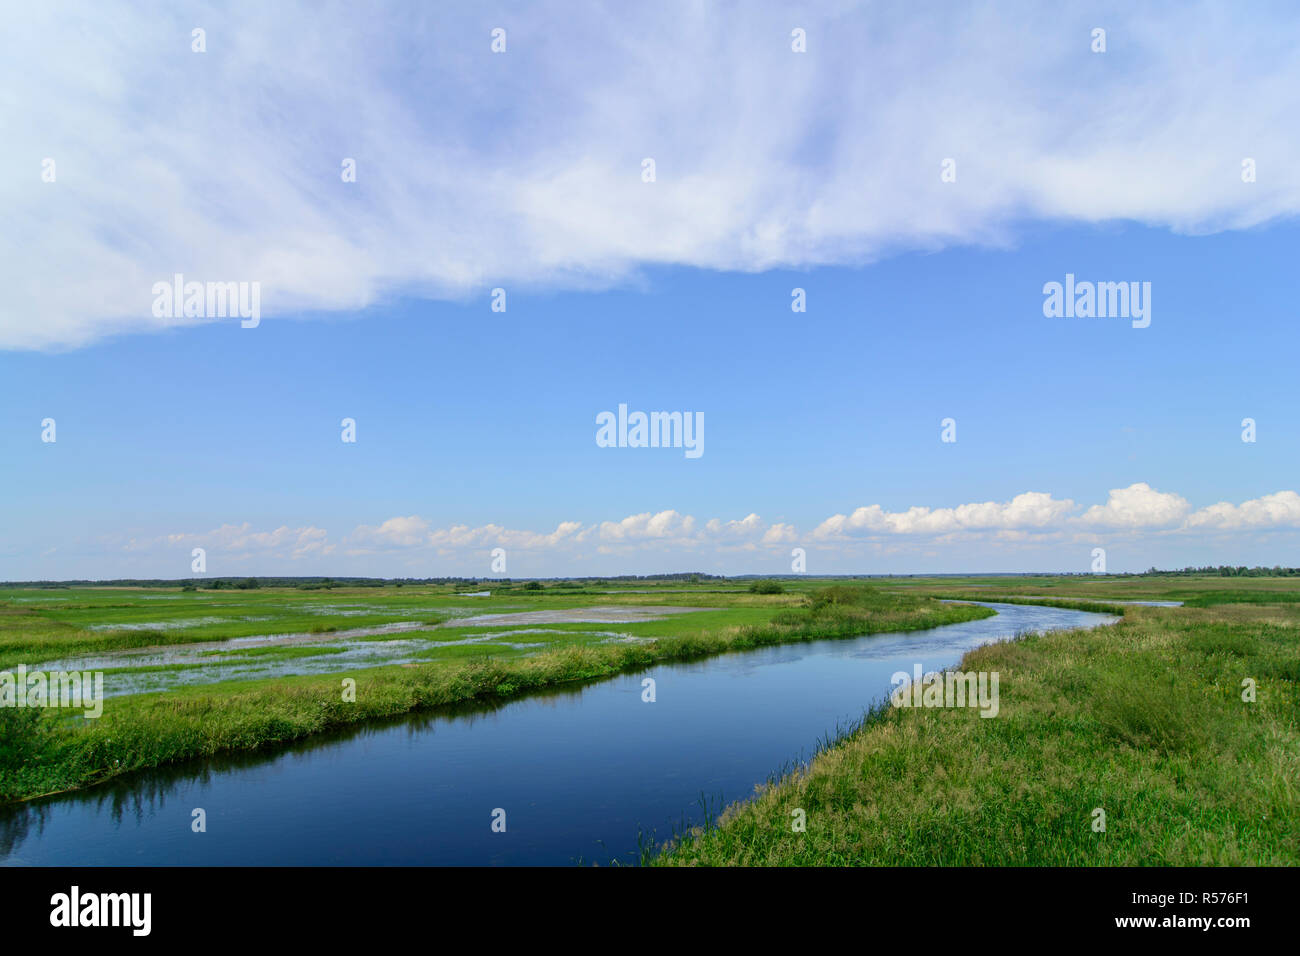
[1170, 739]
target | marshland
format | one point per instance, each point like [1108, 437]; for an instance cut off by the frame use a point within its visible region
[662, 721]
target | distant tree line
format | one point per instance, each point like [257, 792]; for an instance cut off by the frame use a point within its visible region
[315, 583]
[766, 585]
[1229, 571]
[246, 583]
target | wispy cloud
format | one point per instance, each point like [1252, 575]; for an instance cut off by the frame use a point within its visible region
[476, 170]
[283, 542]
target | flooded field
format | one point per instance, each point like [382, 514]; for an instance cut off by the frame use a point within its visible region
[180, 649]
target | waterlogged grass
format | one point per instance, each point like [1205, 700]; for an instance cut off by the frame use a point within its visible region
[32, 632]
[1144, 721]
[39, 624]
[49, 751]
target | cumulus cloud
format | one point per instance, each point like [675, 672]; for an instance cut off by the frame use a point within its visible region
[416, 532]
[1137, 506]
[1026, 519]
[475, 169]
[1279, 510]
[1032, 509]
[780, 533]
[395, 532]
[744, 528]
[462, 536]
[664, 525]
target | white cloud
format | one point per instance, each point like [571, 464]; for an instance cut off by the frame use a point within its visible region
[477, 170]
[1032, 509]
[1137, 506]
[1279, 510]
[780, 533]
[395, 532]
[1028, 520]
[646, 526]
[243, 540]
[416, 532]
[744, 528]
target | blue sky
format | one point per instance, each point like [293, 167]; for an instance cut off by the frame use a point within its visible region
[476, 429]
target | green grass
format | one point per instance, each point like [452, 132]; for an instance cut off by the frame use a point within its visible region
[1144, 720]
[54, 752]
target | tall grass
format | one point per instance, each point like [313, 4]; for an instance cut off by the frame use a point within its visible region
[1144, 721]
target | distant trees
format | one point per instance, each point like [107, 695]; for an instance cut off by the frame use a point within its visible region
[692, 577]
[1231, 571]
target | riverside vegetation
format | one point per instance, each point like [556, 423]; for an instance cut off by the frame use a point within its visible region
[292, 651]
[1181, 725]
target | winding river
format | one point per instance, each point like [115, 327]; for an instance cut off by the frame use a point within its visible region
[582, 775]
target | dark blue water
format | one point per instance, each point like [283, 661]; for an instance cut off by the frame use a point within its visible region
[582, 775]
